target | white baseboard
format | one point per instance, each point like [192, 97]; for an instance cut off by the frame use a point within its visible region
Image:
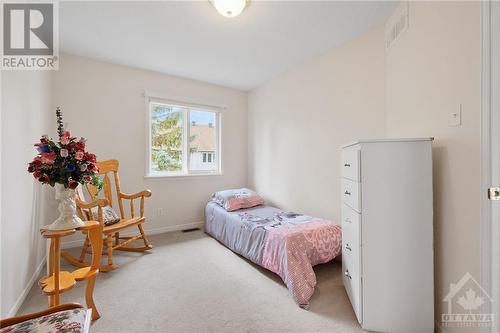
[27, 289]
[152, 231]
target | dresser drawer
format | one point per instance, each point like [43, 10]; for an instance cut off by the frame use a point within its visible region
[351, 240]
[351, 194]
[351, 257]
[351, 228]
[350, 164]
[352, 284]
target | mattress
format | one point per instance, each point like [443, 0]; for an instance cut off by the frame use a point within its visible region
[287, 244]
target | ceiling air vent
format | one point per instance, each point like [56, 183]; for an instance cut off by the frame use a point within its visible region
[396, 25]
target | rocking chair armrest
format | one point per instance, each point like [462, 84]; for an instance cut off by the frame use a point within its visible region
[88, 205]
[145, 193]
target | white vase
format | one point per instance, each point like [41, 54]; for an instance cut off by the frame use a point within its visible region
[68, 219]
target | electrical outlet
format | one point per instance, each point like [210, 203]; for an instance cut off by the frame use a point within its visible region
[456, 117]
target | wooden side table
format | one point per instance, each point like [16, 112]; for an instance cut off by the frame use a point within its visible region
[57, 281]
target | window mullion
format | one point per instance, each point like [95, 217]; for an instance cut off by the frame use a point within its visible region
[218, 142]
[149, 124]
[185, 141]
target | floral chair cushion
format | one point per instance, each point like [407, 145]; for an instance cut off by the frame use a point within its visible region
[109, 215]
[69, 321]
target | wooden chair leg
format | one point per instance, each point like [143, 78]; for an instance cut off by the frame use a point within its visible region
[85, 248]
[51, 301]
[109, 245]
[90, 299]
[144, 238]
[117, 238]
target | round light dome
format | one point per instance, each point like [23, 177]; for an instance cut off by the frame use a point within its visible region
[229, 8]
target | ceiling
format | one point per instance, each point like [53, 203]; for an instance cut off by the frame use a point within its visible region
[190, 39]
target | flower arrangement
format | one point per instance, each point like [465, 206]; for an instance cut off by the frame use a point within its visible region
[65, 161]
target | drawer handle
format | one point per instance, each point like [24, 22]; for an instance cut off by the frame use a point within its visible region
[346, 273]
[347, 247]
[347, 193]
[348, 220]
[347, 165]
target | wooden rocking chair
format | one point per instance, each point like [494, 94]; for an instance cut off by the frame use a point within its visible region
[111, 231]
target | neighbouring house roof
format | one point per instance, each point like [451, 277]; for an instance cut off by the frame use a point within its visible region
[204, 137]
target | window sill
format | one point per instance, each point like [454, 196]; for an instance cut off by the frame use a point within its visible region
[181, 176]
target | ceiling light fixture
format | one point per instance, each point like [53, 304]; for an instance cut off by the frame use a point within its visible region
[230, 8]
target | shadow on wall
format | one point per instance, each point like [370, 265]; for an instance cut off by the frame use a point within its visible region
[43, 212]
[36, 223]
[440, 163]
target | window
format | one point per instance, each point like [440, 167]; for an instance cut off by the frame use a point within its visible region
[184, 140]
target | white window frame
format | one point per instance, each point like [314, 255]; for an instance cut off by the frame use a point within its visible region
[186, 107]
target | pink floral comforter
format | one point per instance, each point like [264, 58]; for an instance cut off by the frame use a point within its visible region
[291, 252]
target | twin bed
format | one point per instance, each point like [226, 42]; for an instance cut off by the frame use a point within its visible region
[286, 243]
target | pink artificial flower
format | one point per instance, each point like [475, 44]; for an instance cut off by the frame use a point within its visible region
[65, 138]
[83, 167]
[48, 158]
[87, 178]
[79, 155]
[64, 152]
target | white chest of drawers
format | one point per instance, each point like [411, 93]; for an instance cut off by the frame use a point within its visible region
[387, 233]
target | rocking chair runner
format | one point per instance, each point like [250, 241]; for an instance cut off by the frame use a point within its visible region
[111, 231]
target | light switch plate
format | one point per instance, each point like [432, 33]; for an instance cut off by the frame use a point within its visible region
[456, 117]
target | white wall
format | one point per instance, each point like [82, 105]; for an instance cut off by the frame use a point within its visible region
[432, 69]
[26, 115]
[105, 103]
[298, 121]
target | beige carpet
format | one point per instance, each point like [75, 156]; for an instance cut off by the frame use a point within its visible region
[191, 283]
